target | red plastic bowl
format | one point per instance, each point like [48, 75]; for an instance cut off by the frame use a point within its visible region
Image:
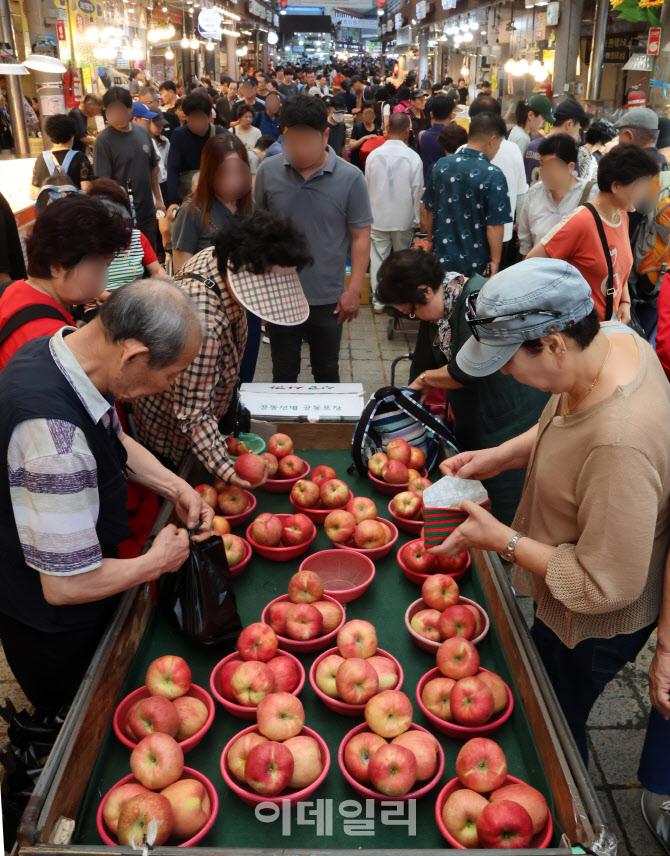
[188, 773]
[285, 485]
[343, 706]
[371, 793]
[392, 489]
[281, 554]
[318, 515]
[238, 519]
[308, 646]
[453, 729]
[538, 842]
[420, 579]
[237, 569]
[239, 710]
[250, 797]
[375, 553]
[345, 574]
[427, 644]
[122, 711]
[412, 526]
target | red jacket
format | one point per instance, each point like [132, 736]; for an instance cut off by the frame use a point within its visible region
[663, 329]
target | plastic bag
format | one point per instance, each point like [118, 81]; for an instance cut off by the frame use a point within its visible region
[199, 597]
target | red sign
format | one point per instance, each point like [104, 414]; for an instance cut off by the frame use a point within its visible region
[60, 30]
[654, 43]
[80, 23]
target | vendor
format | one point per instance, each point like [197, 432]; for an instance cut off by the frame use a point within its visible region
[252, 266]
[592, 531]
[63, 489]
[487, 410]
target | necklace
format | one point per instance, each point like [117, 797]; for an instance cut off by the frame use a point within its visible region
[595, 380]
[609, 217]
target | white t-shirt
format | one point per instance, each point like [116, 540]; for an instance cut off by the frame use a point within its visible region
[509, 160]
[249, 138]
[520, 138]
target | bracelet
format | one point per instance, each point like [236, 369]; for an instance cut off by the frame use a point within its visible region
[624, 301]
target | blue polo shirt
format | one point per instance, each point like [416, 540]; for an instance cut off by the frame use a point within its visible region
[430, 150]
[266, 125]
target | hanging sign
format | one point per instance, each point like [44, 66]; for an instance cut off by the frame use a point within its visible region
[209, 24]
[654, 42]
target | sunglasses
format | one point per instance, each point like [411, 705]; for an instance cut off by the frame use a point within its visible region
[474, 322]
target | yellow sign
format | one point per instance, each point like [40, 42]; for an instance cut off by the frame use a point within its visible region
[494, 78]
[86, 78]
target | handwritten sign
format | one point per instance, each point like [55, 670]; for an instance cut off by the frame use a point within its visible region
[312, 401]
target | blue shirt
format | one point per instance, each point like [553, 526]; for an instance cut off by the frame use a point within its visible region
[430, 150]
[266, 125]
[466, 193]
[184, 155]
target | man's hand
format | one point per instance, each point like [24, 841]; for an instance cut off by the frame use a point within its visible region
[168, 552]
[659, 682]
[624, 313]
[348, 305]
[494, 267]
[481, 530]
[481, 464]
[191, 508]
[160, 205]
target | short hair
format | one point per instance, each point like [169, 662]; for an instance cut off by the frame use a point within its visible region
[625, 163]
[484, 104]
[263, 75]
[244, 108]
[59, 128]
[485, 125]
[92, 98]
[225, 79]
[169, 85]
[197, 102]
[398, 123]
[401, 275]
[156, 313]
[304, 110]
[452, 137]
[642, 136]
[117, 94]
[403, 92]
[107, 188]
[251, 80]
[442, 107]
[582, 333]
[100, 232]
[448, 81]
[264, 142]
[260, 241]
[132, 74]
[148, 90]
[486, 83]
[561, 145]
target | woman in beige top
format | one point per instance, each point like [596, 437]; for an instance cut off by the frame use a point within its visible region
[592, 531]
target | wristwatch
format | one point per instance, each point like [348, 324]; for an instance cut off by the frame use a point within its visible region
[508, 553]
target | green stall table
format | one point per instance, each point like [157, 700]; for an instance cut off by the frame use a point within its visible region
[88, 758]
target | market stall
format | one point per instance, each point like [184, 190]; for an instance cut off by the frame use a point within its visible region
[88, 758]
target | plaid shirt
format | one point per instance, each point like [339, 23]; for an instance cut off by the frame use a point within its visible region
[187, 415]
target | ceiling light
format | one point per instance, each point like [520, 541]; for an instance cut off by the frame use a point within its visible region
[194, 44]
[169, 54]
[541, 74]
[165, 8]
[474, 26]
[136, 43]
[210, 45]
[465, 71]
[522, 67]
[535, 66]
[92, 34]
[510, 66]
[467, 37]
[184, 43]
[43, 62]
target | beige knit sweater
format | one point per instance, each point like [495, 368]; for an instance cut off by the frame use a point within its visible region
[597, 488]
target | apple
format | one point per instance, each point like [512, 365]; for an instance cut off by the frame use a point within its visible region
[251, 682]
[251, 468]
[226, 676]
[481, 765]
[460, 813]
[116, 801]
[157, 761]
[395, 472]
[418, 485]
[220, 525]
[369, 534]
[392, 770]
[326, 673]
[192, 714]
[479, 623]
[505, 825]
[497, 686]
[406, 504]
[340, 526]
[239, 752]
[436, 695]
[303, 622]
[280, 445]
[305, 493]
[358, 752]
[457, 621]
[453, 564]
[269, 768]
[257, 641]
[235, 549]
[280, 716]
[527, 796]
[307, 760]
[425, 624]
[286, 673]
[386, 672]
[471, 702]
[415, 557]
[208, 494]
[277, 617]
[417, 458]
[357, 638]
[136, 815]
[267, 530]
[356, 681]
[127, 730]
[388, 532]
[376, 464]
[457, 658]
[440, 591]
[153, 714]
[305, 587]
[399, 450]
[231, 445]
[273, 463]
[389, 713]
[298, 529]
[331, 614]
[362, 508]
[322, 473]
[334, 493]
[232, 500]
[168, 676]
[412, 475]
[190, 807]
[241, 448]
[425, 749]
[291, 467]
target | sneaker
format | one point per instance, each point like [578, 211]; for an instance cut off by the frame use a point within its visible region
[266, 340]
[656, 812]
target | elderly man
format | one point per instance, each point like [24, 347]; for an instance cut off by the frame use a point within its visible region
[63, 489]
[151, 100]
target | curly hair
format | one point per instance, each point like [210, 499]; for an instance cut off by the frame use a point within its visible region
[403, 273]
[259, 242]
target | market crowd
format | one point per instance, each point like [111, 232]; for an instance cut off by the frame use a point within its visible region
[210, 215]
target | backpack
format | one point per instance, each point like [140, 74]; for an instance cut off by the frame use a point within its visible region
[651, 245]
[394, 412]
[50, 192]
[58, 172]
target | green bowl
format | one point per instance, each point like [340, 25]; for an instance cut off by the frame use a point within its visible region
[253, 442]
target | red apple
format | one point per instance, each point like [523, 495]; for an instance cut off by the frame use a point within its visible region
[280, 716]
[399, 450]
[190, 807]
[116, 801]
[241, 448]
[251, 682]
[417, 458]
[326, 674]
[157, 761]
[471, 702]
[220, 525]
[231, 445]
[356, 681]
[269, 768]
[418, 485]
[322, 473]
[389, 713]
[392, 770]
[457, 621]
[258, 641]
[425, 749]
[280, 445]
[273, 464]
[436, 695]
[362, 508]
[303, 622]
[305, 493]
[457, 658]
[497, 686]
[226, 676]
[151, 715]
[251, 468]
[239, 752]
[440, 591]
[232, 500]
[291, 467]
[208, 494]
[395, 472]
[357, 638]
[460, 813]
[386, 672]
[138, 813]
[298, 529]
[168, 676]
[453, 564]
[277, 616]
[376, 464]
[267, 529]
[340, 526]
[415, 557]
[369, 534]
[481, 765]
[305, 587]
[286, 673]
[412, 475]
[334, 493]
[192, 713]
[235, 549]
[504, 825]
[425, 624]
[406, 504]
[479, 623]
[527, 796]
[358, 752]
[307, 760]
[388, 532]
[331, 614]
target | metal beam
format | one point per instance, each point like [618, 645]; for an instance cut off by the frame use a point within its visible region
[597, 51]
[14, 91]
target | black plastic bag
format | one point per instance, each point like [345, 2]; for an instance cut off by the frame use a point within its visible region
[199, 597]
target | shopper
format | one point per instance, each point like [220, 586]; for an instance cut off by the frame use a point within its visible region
[61, 159]
[442, 113]
[223, 104]
[248, 91]
[639, 127]
[262, 91]
[569, 118]
[418, 117]
[452, 137]
[89, 107]
[356, 96]
[337, 132]
[257, 156]
[151, 100]
[267, 122]
[531, 116]
[168, 95]
[287, 86]
[296, 183]
[157, 129]
[463, 93]
[367, 129]
[136, 79]
[12, 264]
[598, 138]
[244, 130]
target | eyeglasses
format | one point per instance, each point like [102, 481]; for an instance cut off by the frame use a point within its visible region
[474, 322]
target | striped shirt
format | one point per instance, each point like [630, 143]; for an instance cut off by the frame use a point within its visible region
[53, 479]
[128, 265]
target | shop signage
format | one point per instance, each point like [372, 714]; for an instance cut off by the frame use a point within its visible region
[616, 50]
[404, 36]
[654, 42]
[87, 7]
[60, 30]
[398, 21]
[448, 4]
[209, 24]
[421, 10]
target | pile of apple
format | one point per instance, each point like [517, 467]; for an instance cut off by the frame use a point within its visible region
[463, 694]
[357, 673]
[323, 489]
[444, 616]
[168, 710]
[391, 768]
[304, 615]
[356, 525]
[277, 756]
[270, 531]
[414, 555]
[400, 464]
[408, 504]
[511, 814]
[279, 459]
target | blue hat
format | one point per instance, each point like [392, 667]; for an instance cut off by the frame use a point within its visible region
[527, 301]
[141, 111]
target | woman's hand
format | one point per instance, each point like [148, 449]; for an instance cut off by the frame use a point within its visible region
[422, 386]
[481, 530]
[240, 482]
[481, 464]
[623, 313]
[659, 682]
[191, 508]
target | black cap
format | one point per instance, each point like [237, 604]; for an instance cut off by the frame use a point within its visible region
[571, 109]
[338, 103]
[417, 93]
[357, 79]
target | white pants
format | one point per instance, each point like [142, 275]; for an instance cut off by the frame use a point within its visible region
[381, 245]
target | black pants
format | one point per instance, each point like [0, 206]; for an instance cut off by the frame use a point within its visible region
[323, 335]
[250, 358]
[149, 228]
[49, 667]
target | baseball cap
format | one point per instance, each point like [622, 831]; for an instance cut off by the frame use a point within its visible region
[141, 111]
[338, 103]
[527, 301]
[571, 109]
[417, 93]
[357, 79]
[638, 117]
[542, 105]
[276, 295]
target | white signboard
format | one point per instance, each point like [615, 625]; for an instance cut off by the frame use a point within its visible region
[315, 402]
[421, 10]
[398, 21]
